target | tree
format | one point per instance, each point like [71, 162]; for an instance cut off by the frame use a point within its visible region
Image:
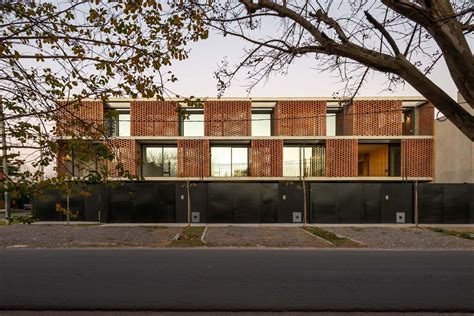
[402, 38]
[53, 55]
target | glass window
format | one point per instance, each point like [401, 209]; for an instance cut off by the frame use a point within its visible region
[192, 123]
[331, 124]
[261, 124]
[118, 122]
[304, 160]
[229, 161]
[159, 161]
[80, 164]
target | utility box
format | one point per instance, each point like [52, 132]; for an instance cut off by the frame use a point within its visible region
[296, 217]
[195, 217]
[400, 217]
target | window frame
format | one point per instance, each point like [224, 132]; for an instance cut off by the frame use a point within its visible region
[231, 160]
[268, 111]
[162, 147]
[301, 159]
[182, 119]
[114, 121]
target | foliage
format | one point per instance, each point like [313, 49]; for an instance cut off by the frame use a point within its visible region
[189, 237]
[401, 38]
[24, 219]
[55, 55]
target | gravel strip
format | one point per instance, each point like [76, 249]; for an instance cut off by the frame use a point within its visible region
[53, 236]
[262, 237]
[402, 238]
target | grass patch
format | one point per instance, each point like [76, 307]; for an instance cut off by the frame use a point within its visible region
[464, 235]
[189, 237]
[333, 238]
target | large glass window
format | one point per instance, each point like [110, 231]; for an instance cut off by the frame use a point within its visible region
[80, 164]
[229, 161]
[306, 161]
[379, 160]
[118, 122]
[262, 122]
[331, 124]
[408, 126]
[192, 123]
[159, 161]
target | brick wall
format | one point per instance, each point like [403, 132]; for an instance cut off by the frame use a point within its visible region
[154, 118]
[127, 152]
[266, 158]
[374, 118]
[227, 118]
[425, 118]
[86, 118]
[341, 158]
[417, 158]
[193, 158]
[300, 118]
[348, 119]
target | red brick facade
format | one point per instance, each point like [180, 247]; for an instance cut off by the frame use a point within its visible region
[86, 118]
[154, 118]
[127, 153]
[193, 158]
[266, 158]
[417, 158]
[341, 158]
[300, 118]
[425, 119]
[227, 118]
[373, 118]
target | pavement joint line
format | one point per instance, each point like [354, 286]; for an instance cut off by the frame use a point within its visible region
[203, 235]
[315, 236]
[394, 225]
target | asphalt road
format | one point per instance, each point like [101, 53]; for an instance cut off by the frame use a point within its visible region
[236, 279]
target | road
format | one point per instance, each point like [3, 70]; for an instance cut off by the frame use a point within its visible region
[236, 279]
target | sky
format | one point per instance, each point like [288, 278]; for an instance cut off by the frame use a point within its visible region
[195, 76]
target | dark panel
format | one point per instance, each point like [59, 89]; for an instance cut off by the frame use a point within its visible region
[246, 202]
[76, 206]
[44, 206]
[430, 203]
[470, 194]
[94, 202]
[396, 197]
[198, 193]
[351, 202]
[165, 196]
[291, 200]
[455, 203]
[146, 203]
[269, 202]
[220, 203]
[372, 211]
[121, 205]
[324, 203]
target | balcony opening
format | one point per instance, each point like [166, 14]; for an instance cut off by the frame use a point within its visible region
[408, 121]
[229, 161]
[192, 122]
[331, 123]
[262, 124]
[117, 122]
[81, 163]
[159, 161]
[308, 161]
[378, 160]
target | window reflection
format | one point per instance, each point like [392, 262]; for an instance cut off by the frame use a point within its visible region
[306, 161]
[261, 123]
[192, 123]
[159, 161]
[229, 161]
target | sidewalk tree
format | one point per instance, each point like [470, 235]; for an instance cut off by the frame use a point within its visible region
[403, 38]
[71, 50]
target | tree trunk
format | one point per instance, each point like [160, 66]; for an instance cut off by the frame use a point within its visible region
[440, 99]
[188, 193]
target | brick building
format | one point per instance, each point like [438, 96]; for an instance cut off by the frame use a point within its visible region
[268, 140]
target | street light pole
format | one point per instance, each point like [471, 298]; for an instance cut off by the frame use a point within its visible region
[4, 162]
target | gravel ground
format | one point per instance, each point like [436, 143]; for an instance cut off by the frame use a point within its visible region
[262, 237]
[53, 236]
[402, 238]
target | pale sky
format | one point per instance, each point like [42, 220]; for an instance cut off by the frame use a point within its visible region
[195, 75]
